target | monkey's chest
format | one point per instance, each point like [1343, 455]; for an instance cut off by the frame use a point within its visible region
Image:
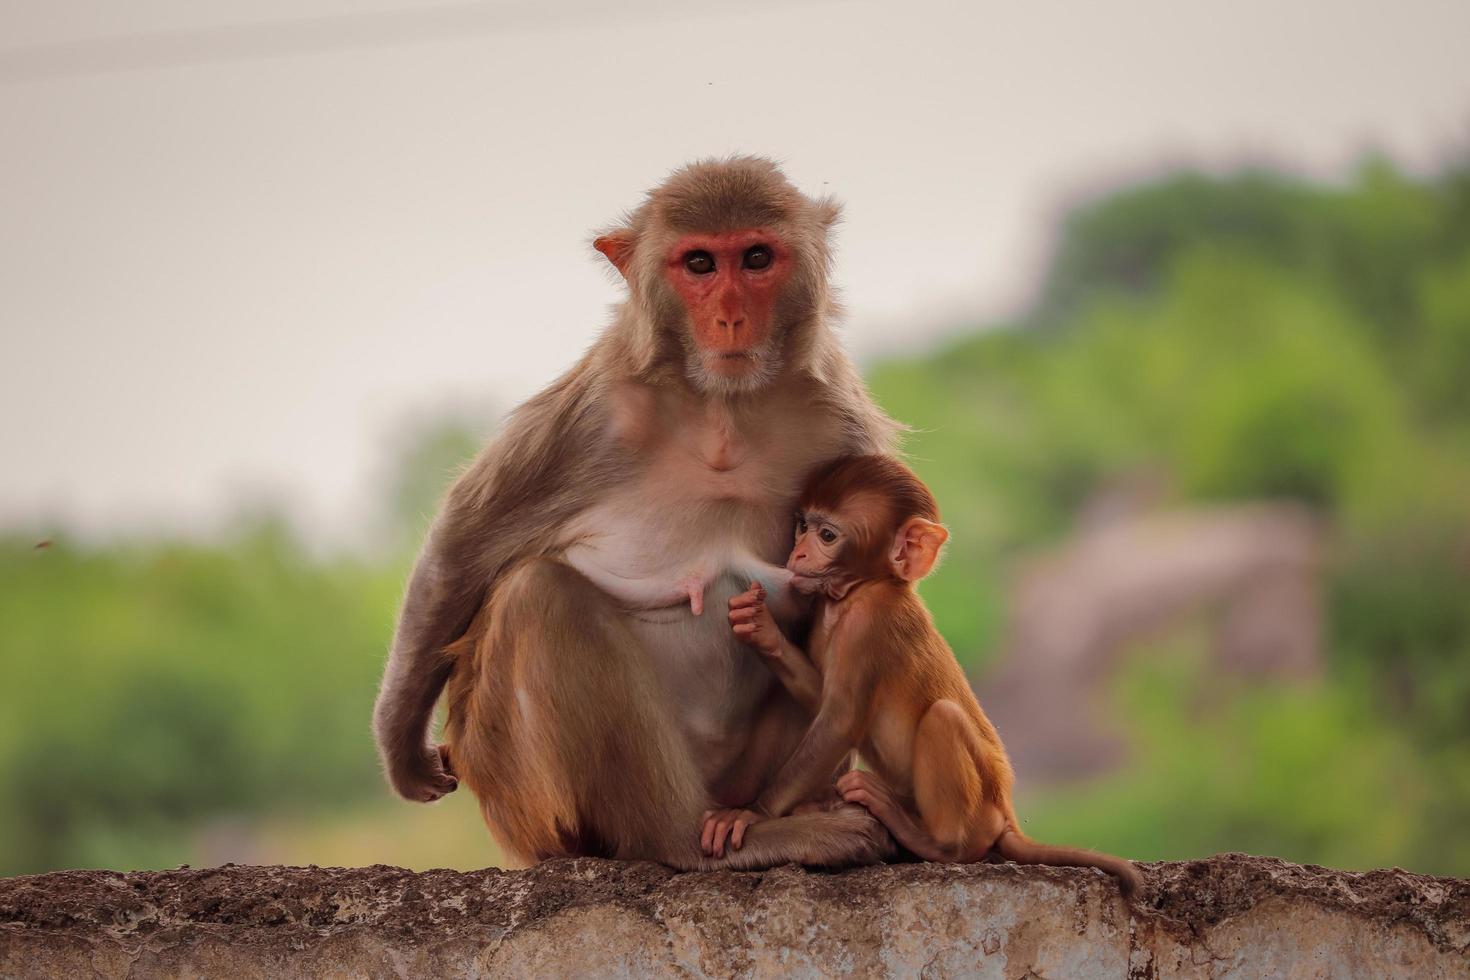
[713, 683]
[684, 516]
[711, 680]
[710, 509]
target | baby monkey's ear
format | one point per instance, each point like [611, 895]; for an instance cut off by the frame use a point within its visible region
[916, 548]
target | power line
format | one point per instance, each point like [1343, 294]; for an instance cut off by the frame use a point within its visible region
[319, 35]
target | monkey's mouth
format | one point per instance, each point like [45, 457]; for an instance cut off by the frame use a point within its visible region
[806, 584]
[732, 362]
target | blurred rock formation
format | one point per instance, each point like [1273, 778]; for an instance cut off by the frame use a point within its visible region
[1250, 573]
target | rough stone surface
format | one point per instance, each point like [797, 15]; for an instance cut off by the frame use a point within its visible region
[1229, 916]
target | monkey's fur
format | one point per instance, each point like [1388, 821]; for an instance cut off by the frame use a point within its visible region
[879, 678]
[584, 726]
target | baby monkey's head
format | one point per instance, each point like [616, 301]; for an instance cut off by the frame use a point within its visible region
[863, 518]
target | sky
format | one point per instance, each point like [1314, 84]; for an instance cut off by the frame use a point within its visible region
[243, 245]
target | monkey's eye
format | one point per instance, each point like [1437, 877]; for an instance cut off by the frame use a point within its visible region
[801, 525]
[757, 257]
[700, 263]
[827, 535]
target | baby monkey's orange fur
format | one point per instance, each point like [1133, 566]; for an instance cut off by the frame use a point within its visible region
[878, 677]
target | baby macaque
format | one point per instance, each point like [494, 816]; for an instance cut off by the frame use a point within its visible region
[877, 677]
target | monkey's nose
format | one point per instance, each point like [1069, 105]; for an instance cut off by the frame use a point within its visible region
[725, 324]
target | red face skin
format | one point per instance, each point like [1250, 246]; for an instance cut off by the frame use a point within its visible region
[731, 308]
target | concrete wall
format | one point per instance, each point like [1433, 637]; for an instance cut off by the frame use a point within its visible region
[1229, 916]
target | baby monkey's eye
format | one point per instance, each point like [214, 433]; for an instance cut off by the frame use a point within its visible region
[800, 525]
[827, 535]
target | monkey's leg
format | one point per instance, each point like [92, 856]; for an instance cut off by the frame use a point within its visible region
[947, 786]
[869, 791]
[559, 726]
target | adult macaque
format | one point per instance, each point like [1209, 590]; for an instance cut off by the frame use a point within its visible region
[590, 708]
[880, 679]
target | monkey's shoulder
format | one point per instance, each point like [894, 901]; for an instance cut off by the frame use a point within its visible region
[883, 622]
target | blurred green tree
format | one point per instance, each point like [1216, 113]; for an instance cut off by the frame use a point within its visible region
[1250, 335]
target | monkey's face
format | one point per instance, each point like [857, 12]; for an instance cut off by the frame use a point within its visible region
[820, 541]
[861, 536]
[729, 285]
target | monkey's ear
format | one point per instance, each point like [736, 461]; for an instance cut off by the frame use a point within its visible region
[829, 212]
[618, 247]
[916, 548]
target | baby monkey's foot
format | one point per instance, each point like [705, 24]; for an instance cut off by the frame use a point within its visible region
[726, 823]
[867, 790]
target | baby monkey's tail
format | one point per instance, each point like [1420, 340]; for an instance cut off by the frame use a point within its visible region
[1015, 846]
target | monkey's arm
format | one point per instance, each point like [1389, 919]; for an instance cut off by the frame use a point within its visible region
[808, 773]
[434, 614]
[796, 673]
[752, 622]
[852, 662]
[528, 482]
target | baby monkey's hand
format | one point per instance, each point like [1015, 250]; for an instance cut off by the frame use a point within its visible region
[753, 622]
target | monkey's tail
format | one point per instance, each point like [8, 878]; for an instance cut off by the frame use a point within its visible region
[1015, 846]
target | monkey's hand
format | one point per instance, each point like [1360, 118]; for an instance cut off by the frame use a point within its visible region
[753, 623]
[425, 778]
[727, 823]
